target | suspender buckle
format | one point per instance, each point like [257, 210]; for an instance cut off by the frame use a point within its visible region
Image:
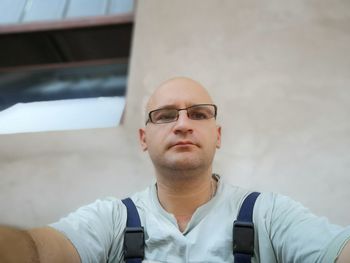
[243, 237]
[134, 242]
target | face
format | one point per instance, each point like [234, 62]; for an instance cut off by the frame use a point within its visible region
[185, 144]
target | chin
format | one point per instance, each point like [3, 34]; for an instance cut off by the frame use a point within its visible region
[185, 163]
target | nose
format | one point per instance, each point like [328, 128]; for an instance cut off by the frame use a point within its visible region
[183, 123]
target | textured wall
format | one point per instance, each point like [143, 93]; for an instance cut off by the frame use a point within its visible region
[279, 72]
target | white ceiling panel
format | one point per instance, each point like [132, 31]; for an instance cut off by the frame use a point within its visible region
[79, 8]
[24, 11]
[121, 6]
[40, 10]
[10, 11]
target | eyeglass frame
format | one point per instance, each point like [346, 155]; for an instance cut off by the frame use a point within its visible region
[149, 120]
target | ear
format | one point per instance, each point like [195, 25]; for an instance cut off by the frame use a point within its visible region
[218, 140]
[142, 139]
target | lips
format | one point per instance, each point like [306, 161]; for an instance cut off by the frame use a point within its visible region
[183, 143]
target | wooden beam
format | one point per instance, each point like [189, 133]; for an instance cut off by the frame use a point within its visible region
[68, 24]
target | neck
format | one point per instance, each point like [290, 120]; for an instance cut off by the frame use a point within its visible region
[182, 195]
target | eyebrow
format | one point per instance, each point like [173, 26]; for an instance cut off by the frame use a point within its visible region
[167, 106]
[174, 106]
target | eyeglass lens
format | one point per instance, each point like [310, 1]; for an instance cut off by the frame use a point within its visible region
[195, 112]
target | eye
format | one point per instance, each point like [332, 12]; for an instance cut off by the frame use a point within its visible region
[199, 114]
[164, 115]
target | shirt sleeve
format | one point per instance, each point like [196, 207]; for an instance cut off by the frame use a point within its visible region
[96, 230]
[297, 235]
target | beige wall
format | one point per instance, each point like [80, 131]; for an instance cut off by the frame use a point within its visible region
[279, 72]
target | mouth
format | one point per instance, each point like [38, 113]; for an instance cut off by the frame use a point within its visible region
[183, 144]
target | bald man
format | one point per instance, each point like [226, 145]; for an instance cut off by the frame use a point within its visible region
[188, 214]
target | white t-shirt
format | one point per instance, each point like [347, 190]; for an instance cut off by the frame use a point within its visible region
[285, 230]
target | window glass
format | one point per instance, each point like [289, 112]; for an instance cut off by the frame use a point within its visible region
[62, 98]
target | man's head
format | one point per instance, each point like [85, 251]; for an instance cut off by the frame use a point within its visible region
[185, 143]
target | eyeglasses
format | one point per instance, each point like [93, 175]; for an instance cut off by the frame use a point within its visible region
[194, 112]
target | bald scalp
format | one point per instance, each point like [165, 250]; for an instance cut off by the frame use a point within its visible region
[174, 85]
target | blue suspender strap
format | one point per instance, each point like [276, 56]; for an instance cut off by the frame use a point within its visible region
[134, 238]
[243, 230]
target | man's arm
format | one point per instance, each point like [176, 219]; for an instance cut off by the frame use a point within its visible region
[344, 256]
[35, 245]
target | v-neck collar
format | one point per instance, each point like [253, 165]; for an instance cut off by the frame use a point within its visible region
[197, 216]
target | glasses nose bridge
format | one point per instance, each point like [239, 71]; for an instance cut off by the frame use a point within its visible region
[178, 112]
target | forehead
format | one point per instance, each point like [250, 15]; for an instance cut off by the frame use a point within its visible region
[180, 92]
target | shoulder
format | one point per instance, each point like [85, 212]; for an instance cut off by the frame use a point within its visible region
[94, 228]
[275, 210]
[108, 207]
[269, 207]
[295, 232]
[278, 208]
[104, 214]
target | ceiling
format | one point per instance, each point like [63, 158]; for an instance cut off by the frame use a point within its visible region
[65, 42]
